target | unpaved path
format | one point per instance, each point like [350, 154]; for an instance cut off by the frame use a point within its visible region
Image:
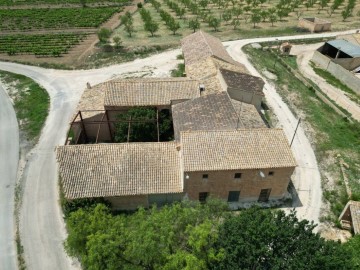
[42, 228]
[9, 156]
[305, 54]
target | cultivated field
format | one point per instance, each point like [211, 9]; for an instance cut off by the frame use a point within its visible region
[236, 18]
[64, 33]
[55, 32]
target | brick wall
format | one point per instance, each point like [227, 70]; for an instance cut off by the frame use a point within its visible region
[219, 183]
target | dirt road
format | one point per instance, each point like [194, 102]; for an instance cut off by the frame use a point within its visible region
[9, 156]
[304, 55]
[42, 228]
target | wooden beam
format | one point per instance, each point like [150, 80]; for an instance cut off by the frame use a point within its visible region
[157, 124]
[83, 127]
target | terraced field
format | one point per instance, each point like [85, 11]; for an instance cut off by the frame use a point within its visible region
[42, 2]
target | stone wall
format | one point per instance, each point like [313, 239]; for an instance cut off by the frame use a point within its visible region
[128, 202]
[338, 71]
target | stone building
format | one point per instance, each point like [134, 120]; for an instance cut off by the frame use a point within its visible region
[350, 217]
[314, 25]
[207, 60]
[221, 147]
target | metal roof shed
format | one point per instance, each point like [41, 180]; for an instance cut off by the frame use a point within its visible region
[346, 47]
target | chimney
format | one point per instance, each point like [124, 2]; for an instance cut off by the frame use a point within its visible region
[201, 88]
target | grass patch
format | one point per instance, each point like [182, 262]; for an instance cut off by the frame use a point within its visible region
[179, 71]
[332, 80]
[333, 133]
[31, 102]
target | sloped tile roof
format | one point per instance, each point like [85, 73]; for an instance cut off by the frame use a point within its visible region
[235, 149]
[103, 170]
[214, 112]
[243, 81]
[248, 115]
[206, 71]
[200, 45]
[210, 112]
[149, 92]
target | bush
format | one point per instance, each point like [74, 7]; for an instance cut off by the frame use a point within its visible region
[139, 5]
[104, 34]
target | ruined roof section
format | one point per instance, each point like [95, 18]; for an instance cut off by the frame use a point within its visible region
[104, 170]
[206, 71]
[210, 112]
[352, 38]
[248, 115]
[200, 45]
[346, 47]
[149, 92]
[355, 216]
[92, 99]
[236, 149]
[243, 81]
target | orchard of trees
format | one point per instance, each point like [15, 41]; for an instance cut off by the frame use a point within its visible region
[234, 13]
[195, 236]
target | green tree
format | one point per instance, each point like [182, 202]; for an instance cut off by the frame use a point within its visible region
[346, 13]
[335, 5]
[273, 18]
[104, 34]
[174, 26]
[227, 15]
[214, 23]
[255, 17]
[117, 41]
[83, 3]
[194, 24]
[352, 247]
[151, 27]
[235, 23]
[274, 240]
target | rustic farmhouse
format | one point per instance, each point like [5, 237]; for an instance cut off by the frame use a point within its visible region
[220, 146]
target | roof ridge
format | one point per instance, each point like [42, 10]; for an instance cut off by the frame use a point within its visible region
[233, 130]
[207, 43]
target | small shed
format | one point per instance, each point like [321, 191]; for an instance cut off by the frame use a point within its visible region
[314, 25]
[285, 48]
[350, 217]
[343, 53]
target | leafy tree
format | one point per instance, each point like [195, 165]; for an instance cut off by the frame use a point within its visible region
[237, 12]
[128, 22]
[255, 17]
[352, 247]
[117, 41]
[264, 14]
[174, 26]
[235, 23]
[226, 16]
[335, 5]
[274, 240]
[322, 5]
[151, 27]
[104, 34]
[203, 3]
[214, 23]
[194, 24]
[273, 18]
[346, 13]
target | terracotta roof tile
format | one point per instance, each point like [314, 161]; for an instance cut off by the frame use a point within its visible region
[200, 45]
[102, 170]
[243, 81]
[235, 149]
[214, 112]
[149, 92]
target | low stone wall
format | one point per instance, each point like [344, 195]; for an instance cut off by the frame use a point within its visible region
[338, 71]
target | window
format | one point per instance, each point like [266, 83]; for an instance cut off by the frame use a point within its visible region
[205, 176]
[203, 196]
[233, 196]
[271, 173]
[237, 175]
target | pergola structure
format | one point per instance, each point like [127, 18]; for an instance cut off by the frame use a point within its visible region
[103, 125]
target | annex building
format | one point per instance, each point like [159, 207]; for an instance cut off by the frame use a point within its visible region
[220, 145]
